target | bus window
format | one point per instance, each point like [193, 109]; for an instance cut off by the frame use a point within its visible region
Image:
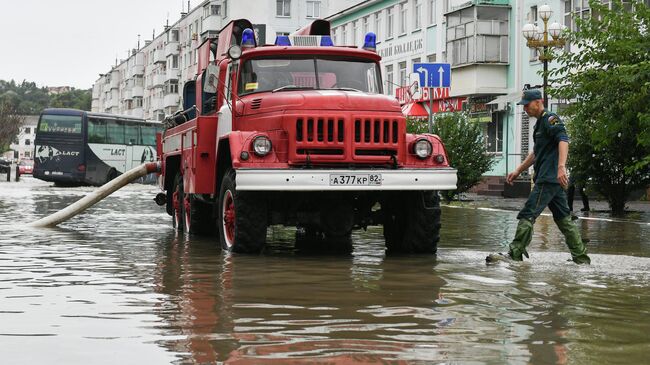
[69, 124]
[132, 134]
[96, 130]
[115, 132]
[148, 135]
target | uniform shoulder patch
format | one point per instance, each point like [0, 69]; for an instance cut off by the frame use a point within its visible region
[553, 119]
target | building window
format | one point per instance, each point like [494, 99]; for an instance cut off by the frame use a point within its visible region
[431, 58]
[417, 15]
[313, 9]
[283, 8]
[390, 80]
[344, 35]
[415, 60]
[493, 133]
[171, 87]
[174, 62]
[364, 26]
[402, 18]
[27, 142]
[28, 154]
[28, 130]
[402, 73]
[377, 25]
[355, 27]
[389, 23]
[215, 9]
[137, 102]
[225, 8]
[432, 12]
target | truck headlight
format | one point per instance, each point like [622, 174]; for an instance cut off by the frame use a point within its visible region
[422, 148]
[262, 146]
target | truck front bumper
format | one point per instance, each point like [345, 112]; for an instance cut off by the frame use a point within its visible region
[345, 180]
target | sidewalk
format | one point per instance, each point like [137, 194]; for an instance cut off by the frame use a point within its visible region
[637, 210]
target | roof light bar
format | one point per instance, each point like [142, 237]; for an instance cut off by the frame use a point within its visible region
[370, 42]
[326, 41]
[248, 38]
[282, 40]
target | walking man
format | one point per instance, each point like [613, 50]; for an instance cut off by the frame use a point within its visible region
[549, 157]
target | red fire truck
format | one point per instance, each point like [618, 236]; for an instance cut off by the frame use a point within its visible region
[298, 134]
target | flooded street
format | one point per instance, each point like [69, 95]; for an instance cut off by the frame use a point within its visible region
[117, 285]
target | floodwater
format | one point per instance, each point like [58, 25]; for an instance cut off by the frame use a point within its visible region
[116, 285]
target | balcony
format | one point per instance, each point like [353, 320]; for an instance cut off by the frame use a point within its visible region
[479, 79]
[137, 112]
[156, 103]
[171, 100]
[115, 82]
[137, 70]
[172, 74]
[172, 48]
[212, 23]
[159, 56]
[137, 91]
[127, 95]
[158, 80]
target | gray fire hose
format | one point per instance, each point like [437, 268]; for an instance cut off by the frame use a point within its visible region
[97, 195]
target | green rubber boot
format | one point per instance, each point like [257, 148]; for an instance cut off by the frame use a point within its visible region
[522, 239]
[573, 240]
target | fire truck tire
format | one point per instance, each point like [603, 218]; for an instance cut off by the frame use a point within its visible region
[177, 203]
[242, 218]
[412, 222]
[198, 215]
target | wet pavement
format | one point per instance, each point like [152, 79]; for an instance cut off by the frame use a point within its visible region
[117, 285]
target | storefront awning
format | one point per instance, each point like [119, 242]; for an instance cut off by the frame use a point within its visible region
[502, 101]
[415, 110]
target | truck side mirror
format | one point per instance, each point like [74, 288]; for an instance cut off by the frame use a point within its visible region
[211, 79]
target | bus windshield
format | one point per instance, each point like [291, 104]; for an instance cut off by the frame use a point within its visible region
[309, 72]
[66, 124]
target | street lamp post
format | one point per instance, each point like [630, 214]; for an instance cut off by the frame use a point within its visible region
[539, 39]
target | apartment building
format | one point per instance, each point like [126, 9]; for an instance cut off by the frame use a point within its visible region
[23, 146]
[149, 83]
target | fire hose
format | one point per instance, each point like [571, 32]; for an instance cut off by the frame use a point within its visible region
[97, 195]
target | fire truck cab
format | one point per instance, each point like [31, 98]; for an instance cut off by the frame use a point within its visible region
[298, 133]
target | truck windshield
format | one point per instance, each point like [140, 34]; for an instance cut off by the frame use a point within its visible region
[309, 72]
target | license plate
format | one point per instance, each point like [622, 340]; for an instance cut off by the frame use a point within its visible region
[356, 180]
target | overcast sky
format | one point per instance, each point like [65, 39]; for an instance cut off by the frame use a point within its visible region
[70, 42]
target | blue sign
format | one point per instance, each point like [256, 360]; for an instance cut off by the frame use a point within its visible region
[433, 74]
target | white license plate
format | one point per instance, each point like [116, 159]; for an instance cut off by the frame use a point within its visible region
[356, 180]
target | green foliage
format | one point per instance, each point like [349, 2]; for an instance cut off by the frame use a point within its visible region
[465, 147]
[10, 122]
[76, 99]
[608, 83]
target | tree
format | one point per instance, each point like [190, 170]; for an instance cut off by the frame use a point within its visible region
[608, 84]
[10, 122]
[76, 99]
[465, 147]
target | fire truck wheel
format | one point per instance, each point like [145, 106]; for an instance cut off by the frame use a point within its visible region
[197, 215]
[412, 222]
[242, 218]
[177, 203]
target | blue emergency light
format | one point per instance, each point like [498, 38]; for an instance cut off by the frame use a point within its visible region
[282, 40]
[326, 41]
[248, 38]
[370, 42]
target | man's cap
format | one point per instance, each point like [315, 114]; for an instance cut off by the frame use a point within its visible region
[529, 95]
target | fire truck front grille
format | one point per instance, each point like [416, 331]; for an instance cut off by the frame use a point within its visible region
[320, 130]
[337, 139]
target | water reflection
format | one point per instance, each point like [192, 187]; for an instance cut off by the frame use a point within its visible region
[117, 284]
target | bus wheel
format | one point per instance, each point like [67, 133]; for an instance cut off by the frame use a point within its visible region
[412, 222]
[177, 203]
[242, 217]
[197, 215]
[112, 174]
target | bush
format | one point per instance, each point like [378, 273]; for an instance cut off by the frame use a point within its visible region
[465, 147]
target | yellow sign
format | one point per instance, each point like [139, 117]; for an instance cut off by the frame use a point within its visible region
[251, 86]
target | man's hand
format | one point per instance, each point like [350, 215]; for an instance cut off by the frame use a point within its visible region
[512, 176]
[562, 177]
